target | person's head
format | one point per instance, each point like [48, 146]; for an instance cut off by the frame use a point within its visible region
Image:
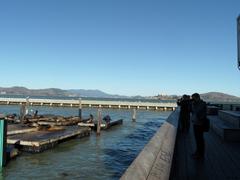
[195, 97]
[184, 97]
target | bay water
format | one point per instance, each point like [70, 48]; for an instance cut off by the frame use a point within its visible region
[95, 157]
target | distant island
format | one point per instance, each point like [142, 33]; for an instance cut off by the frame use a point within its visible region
[55, 92]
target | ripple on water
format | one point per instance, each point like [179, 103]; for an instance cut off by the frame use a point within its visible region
[91, 158]
[120, 155]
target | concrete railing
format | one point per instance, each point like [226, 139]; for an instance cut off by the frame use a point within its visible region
[227, 106]
[155, 160]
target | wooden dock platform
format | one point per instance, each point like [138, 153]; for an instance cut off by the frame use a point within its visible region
[42, 140]
[168, 155]
[222, 160]
[161, 106]
[13, 129]
[104, 126]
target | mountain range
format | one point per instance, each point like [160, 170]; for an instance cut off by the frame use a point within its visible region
[54, 92]
[57, 92]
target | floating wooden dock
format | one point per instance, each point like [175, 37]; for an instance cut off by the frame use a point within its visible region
[104, 126]
[91, 125]
[42, 140]
[13, 129]
[90, 104]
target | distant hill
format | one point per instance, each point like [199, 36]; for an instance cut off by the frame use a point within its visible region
[33, 92]
[17, 90]
[54, 92]
[219, 97]
[93, 93]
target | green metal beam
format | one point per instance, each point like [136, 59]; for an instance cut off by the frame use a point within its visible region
[3, 140]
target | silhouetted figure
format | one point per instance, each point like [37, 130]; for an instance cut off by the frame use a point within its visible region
[35, 114]
[107, 119]
[184, 103]
[199, 114]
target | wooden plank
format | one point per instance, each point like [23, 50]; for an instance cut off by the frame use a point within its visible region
[198, 169]
[220, 159]
[189, 168]
[227, 157]
[234, 149]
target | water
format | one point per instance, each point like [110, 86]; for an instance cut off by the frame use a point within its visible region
[91, 158]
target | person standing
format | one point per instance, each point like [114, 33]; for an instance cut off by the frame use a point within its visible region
[199, 114]
[184, 103]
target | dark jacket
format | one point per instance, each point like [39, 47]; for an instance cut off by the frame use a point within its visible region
[185, 106]
[199, 112]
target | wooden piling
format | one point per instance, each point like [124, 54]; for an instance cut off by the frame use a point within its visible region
[80, 109]
[27, 105]
[22, 112]
[134, 115]
[99, 122]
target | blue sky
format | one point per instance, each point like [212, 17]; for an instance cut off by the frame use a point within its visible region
[126, 47]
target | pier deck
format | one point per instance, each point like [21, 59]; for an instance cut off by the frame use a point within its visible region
[168, 156]
[222, 159]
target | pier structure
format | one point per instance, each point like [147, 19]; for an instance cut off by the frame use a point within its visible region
[161, 106]
[168, 153]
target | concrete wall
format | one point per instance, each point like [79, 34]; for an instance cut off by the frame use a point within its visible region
[155, 160]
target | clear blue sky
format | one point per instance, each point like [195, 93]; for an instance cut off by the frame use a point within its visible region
[126, 47]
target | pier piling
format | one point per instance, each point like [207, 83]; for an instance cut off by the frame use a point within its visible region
[99, 122]
[80, 109]
[134, 115]
[22, 112]
[27, 105]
